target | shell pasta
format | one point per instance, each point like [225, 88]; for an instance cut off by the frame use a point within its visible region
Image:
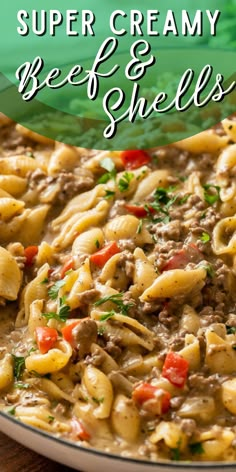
[118, 293]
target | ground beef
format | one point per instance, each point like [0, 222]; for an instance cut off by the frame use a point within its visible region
[118, 209]
[84, 334]
[188, 426]
[69, 184]
[169, 231]
[199, 383]
[127, 244]
[88, 296]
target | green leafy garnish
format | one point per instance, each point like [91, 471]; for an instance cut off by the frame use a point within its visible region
[12, 411]
[51, 418]
[109, 194]
[108, 165]
[97, 244]
[124, 181]
[44, 281]
[196, 448]
[101, 330]
[30, 154]
[209, 270]
[107, 315]
[62, 315]
[175, 451]
[19, 366]
[140, 227]
[205, 238]
[117, 300]
[21, 385]
[184, 199]
[162, 203]
[230, 329]
[98, 400]
[54, 290]
[211, 193]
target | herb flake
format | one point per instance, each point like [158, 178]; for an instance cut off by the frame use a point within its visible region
[117, 300]
[205, 238]
[54, 290]
[196, 448]
[19, 366]
[211, 193]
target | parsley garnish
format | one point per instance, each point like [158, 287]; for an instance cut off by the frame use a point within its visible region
[12, 411]
[211, 193]
[30, 154]
[140, 227]
[54, 290]
[44, 281]
[196, 448]
[124, 181]
[101, 330]
[209, 270]
[21, 385]
[98, 400]
[230, 329]
[184, 199]
[64, 311]
[162, 203]
[205, 238]
[117, 300]
[97, 244]
[176, 451]
[108, 165]
[109, 194]
[51, 418]
[19, 366]
[107, 316]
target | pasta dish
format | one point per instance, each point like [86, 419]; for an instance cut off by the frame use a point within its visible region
[118, 293]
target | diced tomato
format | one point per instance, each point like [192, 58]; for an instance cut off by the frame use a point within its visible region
[30, 253]
[67, 330]
[146, 391]
[133, 159]
[189, 253]
[175, 369]
[68, 265]
[139, 211]
[78, 430]
[46, 338]
[100, 258]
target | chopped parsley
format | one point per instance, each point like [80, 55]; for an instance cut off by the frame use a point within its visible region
[51, 418]
[12, 411]
[211, 193]
[30, 154]
[97, 244]
[162, 203]
[117, 300]
[98, 400]
[175, 451]
[205, 238]
[19, 366]
[101, 330]
[124, 181]
[21, 385]
[196, 448]
[109, 194]
[44, 281]
[108, 165]
[62, 315]
[107, 315]
[54, 290]
[140, 227]
[230, 329]
[209, 270]
[184, 199]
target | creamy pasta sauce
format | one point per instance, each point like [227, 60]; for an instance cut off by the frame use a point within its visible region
[117, 293]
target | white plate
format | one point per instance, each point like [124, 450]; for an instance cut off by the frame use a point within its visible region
[91, 460]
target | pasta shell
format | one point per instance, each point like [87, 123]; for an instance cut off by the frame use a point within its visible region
[155, 179]
[10, 276]
[125, 418]
[9, 207]
[18, 165]
[99, 387]
[88, 242]
[174, 282]
[63, 158]
[12, 184]
[126, 227]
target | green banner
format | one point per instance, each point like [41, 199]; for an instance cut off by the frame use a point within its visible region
[118, 77]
